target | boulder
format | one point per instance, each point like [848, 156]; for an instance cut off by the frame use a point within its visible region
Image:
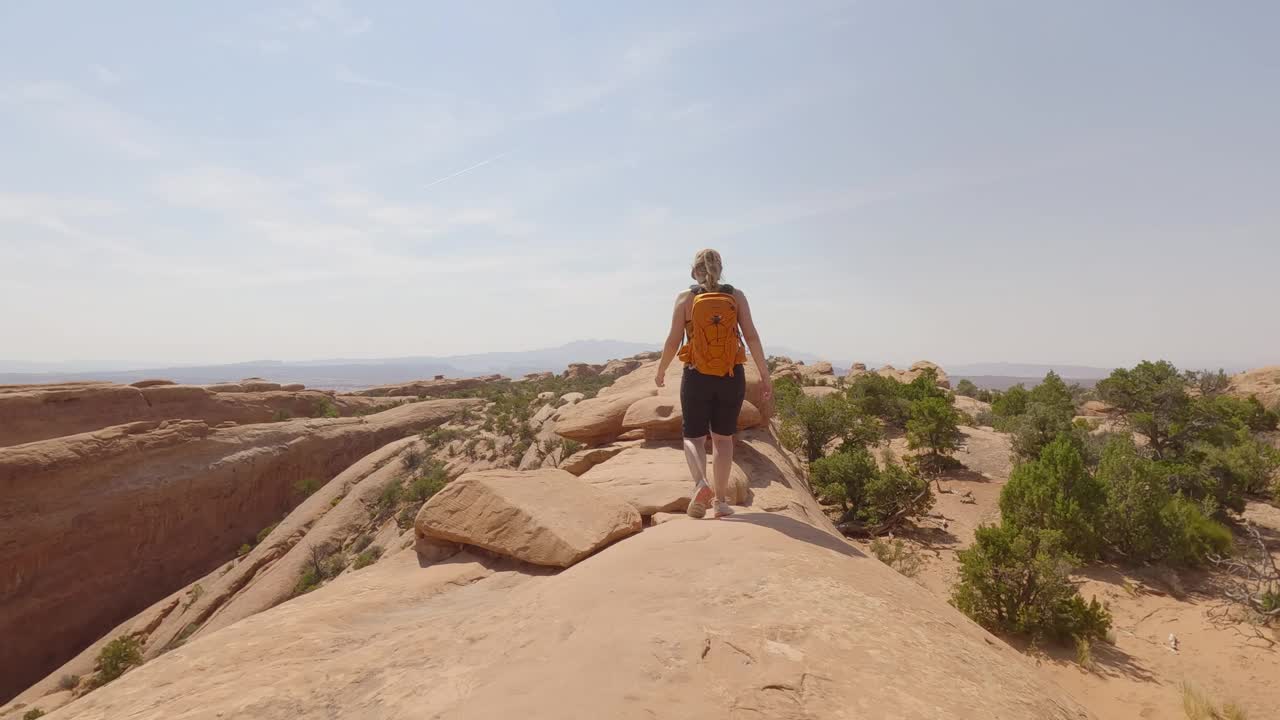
[544, 517]
[618, 368]
[581, 370]
[819, 391]
[661, 418]
[656, 479]
[572, 398]
[1262, 382]
[1096, 408]
[583, 460]
[599, 419]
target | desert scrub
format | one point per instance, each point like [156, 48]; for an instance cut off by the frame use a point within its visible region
[116, 657]
[900, 556]
[361, 543]
[368, 557]
[324, 408]
[68, 682]
[307, 486]
[281, 416]
[1198, 707]
[264, 532]
[321, 566]
[32, 714]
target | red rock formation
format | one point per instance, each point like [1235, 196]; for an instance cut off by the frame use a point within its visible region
[95, 527]
[29, 413]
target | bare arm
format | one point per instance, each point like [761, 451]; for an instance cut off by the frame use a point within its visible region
[674, 337]
[752, 336]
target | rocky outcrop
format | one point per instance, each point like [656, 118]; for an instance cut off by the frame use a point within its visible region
[906, 376]
[544, 517]
[95, 527]
[769, 614]
[1263, 382]
[29, 413]
[436, 388]
[661, 418]
[655, 478]
[654, 412]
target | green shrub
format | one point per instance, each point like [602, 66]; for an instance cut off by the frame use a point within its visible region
[1245, 466]
[1056, 492]
[281, 416]
[32, 714]
[1193, 537]
[116, 657]
[809, 424]
[306, 487]
[1016, 580]
[245, 549]
[1144, 520]
[880, 397]
[986, 418]
[1040, 425]
[842, 477]
[934, 426]
[325, 408]
[68, 682]
[1011, 402]
[899, 555]
[895, 491]
[368, 557]
[264, 532]
[571, 446]
[966, 388]
[388, 500]
[361, 543]
[321, 566]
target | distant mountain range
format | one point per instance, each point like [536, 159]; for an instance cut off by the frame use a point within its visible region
[344, 373]
[352, 373]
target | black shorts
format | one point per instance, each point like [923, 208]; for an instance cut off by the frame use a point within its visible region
[711, 403]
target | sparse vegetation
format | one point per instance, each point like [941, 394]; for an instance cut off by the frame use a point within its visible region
[966, 388]
[306, 487]
[934, 426]
[264, 532]
[68, 682]
[411, 459]
[1198, 707]
[245, 549]
[368, 557]
[321, 566]
[281, 415]
[325, 408]
[32, 714]
[1016, 580]
[569, 447]
[116, 657]
[899, 555]
[361, 543]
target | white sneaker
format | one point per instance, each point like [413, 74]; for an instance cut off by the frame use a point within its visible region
[723, 509]
[698, 505]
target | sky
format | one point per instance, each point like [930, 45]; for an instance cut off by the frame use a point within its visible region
[1088, 182]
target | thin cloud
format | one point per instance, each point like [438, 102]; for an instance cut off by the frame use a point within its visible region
[465, 170]
[347, 76]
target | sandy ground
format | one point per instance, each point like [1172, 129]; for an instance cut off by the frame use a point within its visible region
[1141, 675]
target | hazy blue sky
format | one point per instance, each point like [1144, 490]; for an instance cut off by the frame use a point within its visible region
[1091, 182]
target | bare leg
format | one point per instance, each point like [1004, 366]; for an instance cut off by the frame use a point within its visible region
[695, 453]
[722, 464]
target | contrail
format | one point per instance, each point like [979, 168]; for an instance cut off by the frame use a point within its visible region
[465, 170]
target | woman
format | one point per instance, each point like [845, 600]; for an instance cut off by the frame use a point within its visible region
[714, 383]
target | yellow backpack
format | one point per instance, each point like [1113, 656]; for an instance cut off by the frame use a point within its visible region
[714, 345]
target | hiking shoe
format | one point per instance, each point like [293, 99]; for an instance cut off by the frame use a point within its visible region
[723, 509]
[701, 499]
